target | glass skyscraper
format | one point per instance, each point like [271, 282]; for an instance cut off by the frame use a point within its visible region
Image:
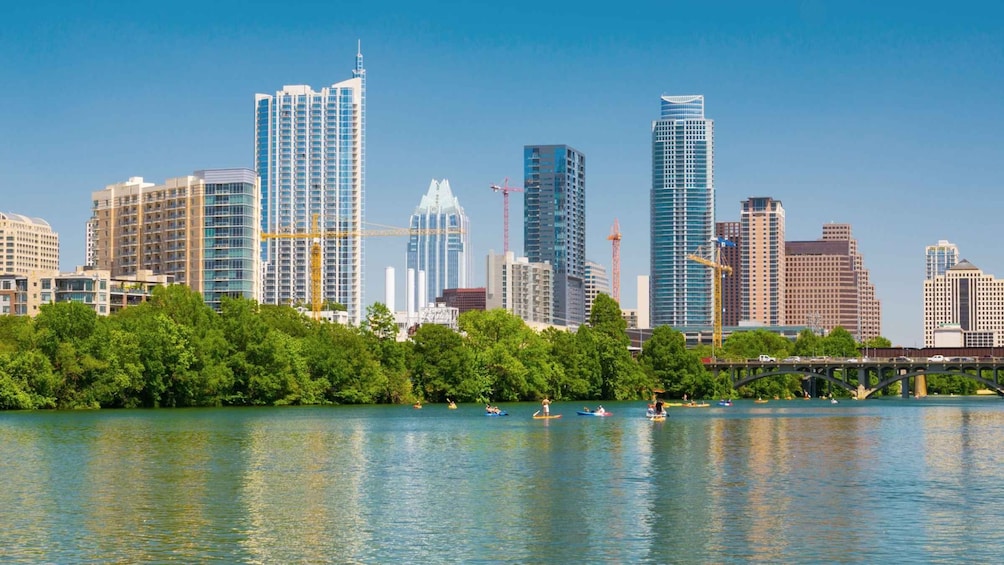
[310, 152]
[940, 258]
[445, 257]
[554, 223]
[682, 212]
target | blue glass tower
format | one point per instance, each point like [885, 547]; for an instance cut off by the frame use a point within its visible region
[310, 152]
[554, 223]
[230, 212]
[682, 212]
[445, 257]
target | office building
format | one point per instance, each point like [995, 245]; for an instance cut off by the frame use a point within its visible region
[554, 223]
[201, 230]
[310, 152]
[463, 299]
[940, 257]
[29, 245]
[644, 312]
[520, 286]
[596, 282]
[440, 243]
[964, 300]
[826, 285]
[732, 283]
[13, 295]
[682, 212]
[762, 264]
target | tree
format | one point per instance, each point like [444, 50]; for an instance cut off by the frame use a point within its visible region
[380, 321]
[672, 367]
[442, 365]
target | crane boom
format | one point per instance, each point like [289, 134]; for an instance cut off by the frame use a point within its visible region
[720, 270]
[317, 235]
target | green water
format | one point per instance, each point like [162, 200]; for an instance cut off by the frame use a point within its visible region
[790, 481]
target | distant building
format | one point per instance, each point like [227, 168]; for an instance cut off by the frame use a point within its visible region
[596, 282]
[554, 223]
[939, 258]
[444, 257]
[643, 305]
[682, 212]
[98, 289]
[732, 284]
[967, 302]
[310, 152]
[13, 295]
[762, 264]
[28, 245]
[521, 287]
[463, 299]
[201, 230]
[826, 285]
[630, 317]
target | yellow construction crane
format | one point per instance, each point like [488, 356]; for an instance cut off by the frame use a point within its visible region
[316, 235]
[720, 270]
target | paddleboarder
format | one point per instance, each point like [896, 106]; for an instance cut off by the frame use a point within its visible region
[546, 403]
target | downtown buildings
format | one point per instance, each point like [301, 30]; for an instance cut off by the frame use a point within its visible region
[682, 212]
[963, 307]
[554, 224]
[939, 258]
[762, 269]
[200, 230]
[597, 282]
[310, 153]
[439, 244]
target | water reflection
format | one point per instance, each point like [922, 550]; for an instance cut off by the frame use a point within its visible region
[792, 482]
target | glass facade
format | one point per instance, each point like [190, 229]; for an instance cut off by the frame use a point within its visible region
[310, 155]
[231, 235]
[554, 223]
[682, 212]
[940, 258]
[445, 257]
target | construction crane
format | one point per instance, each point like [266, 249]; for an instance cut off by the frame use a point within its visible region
[317, 235]
[615, 241]
[720, 270]
[505, 189]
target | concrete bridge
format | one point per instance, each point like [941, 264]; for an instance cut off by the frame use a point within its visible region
[862, 377]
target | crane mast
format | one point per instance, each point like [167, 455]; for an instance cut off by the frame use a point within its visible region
[719, 270]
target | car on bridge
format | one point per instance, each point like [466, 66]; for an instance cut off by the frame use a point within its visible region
[793, 359]
[936, 359]
[767, 359]
[901, 359]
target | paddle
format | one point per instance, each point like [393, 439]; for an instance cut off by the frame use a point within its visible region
[537, 412]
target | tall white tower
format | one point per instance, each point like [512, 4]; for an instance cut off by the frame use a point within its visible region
[445, 257]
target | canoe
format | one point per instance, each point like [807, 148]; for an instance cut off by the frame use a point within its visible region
[502, 413]
[584, 413]
[541, 417]
[760, 401]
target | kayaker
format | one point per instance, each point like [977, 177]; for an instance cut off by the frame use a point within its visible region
[600, 410]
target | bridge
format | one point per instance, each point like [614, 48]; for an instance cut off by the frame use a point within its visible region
[862, 377]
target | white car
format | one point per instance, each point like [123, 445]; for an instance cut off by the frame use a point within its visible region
[936, 359]
[767, 359]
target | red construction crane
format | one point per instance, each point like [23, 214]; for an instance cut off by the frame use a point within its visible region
[615, 241]
[505, 189]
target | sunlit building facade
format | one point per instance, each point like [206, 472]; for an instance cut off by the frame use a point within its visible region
[28, 245]
[969, 301]
[939, 258]
[762, 261]
[310, 152]
[440, 243]
[682, 212]
[597, 282]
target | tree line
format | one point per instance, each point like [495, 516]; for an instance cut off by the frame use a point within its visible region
[175, 351]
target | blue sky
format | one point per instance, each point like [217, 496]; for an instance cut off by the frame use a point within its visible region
[886, 117]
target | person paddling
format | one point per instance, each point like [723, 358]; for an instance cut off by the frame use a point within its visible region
[546, 403]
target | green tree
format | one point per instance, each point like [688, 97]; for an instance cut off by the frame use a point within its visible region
[380, 321]
[672, 367]
[442, 365]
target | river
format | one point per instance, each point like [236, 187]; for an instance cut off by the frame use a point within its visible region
[788, 481]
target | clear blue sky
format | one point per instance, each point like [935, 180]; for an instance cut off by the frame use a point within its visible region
[886, 117]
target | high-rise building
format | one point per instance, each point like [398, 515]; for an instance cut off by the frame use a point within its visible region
[520, 286]
[940, 257]
[965, 299]
[29, 245]
[762, 233]
[554, 223]
[826, 285]
[682, 212]
[310, 152]
[201, 229]
[445, 257]
[732, 284]
[596, 282]
[644, 312]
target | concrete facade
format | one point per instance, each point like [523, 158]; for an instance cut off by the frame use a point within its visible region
[965, 301]
[763, 264]
[521, 287]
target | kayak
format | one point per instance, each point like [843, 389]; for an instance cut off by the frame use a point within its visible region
[585, 413]
[651, 414]
[725, 403]
[502, 413]
[552, 417]
[657, 418]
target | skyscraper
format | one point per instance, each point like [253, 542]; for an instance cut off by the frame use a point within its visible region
[682, 212]
[940, 257]
[445, 258]
[762, 227]
[29, 244]
[554, 223]
[310, 152]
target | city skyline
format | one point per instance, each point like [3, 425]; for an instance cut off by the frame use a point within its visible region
[787, 84]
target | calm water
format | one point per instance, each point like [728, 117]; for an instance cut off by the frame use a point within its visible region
[789, 481]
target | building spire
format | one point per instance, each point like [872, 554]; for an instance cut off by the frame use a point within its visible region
[359, 71]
